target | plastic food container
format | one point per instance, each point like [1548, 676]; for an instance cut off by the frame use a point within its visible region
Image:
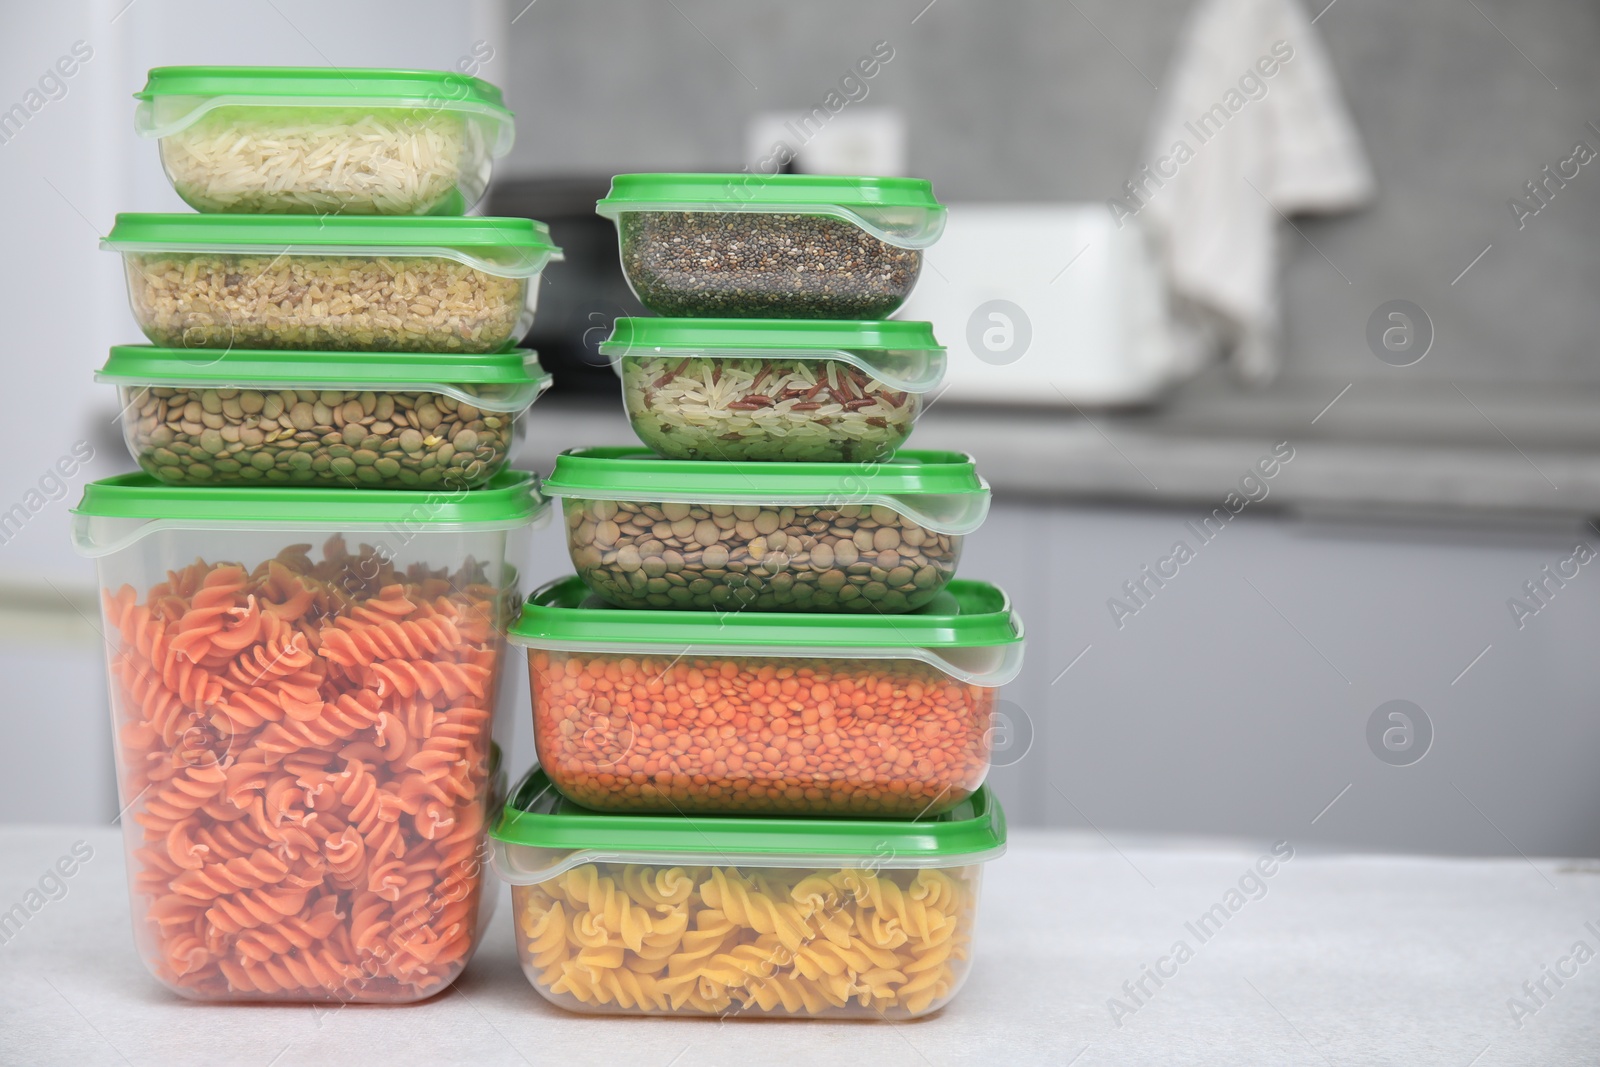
[370, 284]
[679, 915]
[788, 389]
[395, 420]
[830, 715]
[710, 535]
[772, 246]
[315, 140]
[305, 700]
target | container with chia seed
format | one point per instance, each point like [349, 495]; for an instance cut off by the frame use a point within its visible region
[799, 246]
[814, 390]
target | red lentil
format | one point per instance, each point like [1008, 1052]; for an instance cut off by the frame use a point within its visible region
[758, 735]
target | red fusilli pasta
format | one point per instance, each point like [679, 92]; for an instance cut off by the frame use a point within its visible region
[306, 752]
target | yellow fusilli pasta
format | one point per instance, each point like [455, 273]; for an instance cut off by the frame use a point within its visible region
[768, 940]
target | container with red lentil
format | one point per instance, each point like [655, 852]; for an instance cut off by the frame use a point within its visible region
[713, 535]
[767, 713]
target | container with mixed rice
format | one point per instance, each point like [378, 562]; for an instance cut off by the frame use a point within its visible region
[810, 390]
[466, 285]
[314, 140]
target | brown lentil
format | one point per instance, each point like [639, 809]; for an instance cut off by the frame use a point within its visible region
[726, 557]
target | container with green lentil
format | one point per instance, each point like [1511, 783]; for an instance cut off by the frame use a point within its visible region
[337, 282]
[774, 389]
[797, 246]
[707, 535]
[384, 420]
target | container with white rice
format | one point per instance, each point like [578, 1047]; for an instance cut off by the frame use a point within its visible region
[307, 141]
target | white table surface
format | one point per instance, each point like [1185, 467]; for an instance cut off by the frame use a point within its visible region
[1344, 960]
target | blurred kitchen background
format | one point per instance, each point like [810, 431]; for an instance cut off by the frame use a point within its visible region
[1441, 460]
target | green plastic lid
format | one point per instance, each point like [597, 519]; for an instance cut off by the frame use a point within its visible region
[902, 355]
[969, 631]
[540, 834]
[513, 248]
[501, 381]
[902, 211]
[940, 490]
[115, 512]
[174, 97]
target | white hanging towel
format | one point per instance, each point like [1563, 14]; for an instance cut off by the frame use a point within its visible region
[1251, 128]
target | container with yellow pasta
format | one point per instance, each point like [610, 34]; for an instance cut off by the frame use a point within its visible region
[680, 915]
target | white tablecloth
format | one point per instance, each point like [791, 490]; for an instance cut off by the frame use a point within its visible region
[1333, 960]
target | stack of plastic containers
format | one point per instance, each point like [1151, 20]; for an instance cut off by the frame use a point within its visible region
[306, 590]
[763, 704]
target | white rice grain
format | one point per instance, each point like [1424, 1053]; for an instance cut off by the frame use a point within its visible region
[384, 161]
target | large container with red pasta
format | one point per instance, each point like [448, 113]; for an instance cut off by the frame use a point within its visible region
[306, 690]
[733, 917]
[767, 713]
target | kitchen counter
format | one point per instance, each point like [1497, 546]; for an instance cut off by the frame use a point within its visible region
[1421, 450]
[1333, 959]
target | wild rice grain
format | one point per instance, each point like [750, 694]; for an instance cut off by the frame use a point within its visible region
[760, 409]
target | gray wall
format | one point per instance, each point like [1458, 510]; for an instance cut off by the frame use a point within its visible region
[1237, 701]
[1026, 100]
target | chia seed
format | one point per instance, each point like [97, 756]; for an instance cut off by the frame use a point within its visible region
[748, 264]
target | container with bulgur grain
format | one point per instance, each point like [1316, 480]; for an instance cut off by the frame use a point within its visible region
[767, 713]
[772, 246]
[391, 420]
[465, 285]
[314, 140]
[712, 535]
[814, 390]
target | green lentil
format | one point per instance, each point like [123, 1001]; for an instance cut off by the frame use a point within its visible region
[305, 437]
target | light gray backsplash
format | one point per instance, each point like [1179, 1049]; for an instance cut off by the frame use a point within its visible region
[1032, 100]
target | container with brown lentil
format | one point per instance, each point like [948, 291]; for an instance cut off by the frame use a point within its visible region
[344, 419]
[814, 390]
[772, 246]
[344, 283]
[647, 532]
